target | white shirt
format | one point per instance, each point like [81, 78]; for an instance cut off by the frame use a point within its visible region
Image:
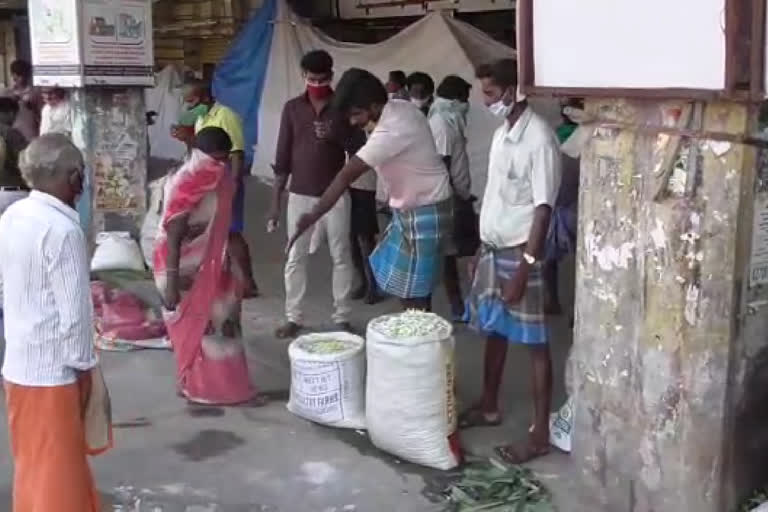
[56, 118]
[367, 181]
[402, 151]
[452, 143]
[523, 173]
[46, 293]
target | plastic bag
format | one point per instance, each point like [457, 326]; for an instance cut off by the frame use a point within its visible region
[328, 379]
[410, 401]
[561, 427]
[150, 226]
[116, 251]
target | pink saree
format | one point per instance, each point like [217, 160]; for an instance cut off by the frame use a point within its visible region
[210, 369]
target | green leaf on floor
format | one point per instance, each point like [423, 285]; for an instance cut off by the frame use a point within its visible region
[491, 486]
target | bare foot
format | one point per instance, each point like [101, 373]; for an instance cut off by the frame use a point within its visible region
[251, 290]
[523, 452]
[475, 417]
[288, 330]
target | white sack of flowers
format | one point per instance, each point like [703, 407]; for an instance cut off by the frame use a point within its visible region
[328, 379]
[410, 404]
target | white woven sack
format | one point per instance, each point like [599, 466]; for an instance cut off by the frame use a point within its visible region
[116, 251]
[410, 402]
[151, 222]
[328, 388]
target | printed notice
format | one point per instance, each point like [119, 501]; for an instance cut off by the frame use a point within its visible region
[55, 43]
[758, 265]
[117, 42]
[316, 390]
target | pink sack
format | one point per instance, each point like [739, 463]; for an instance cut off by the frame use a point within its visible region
[119, 315]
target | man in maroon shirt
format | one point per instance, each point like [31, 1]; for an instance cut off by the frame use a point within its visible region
[312, 148]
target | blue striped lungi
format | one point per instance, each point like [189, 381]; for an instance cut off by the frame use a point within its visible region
[487, 311]
[408, 261]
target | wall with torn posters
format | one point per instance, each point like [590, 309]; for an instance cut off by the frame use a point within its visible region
[665, 380]
[110, 129]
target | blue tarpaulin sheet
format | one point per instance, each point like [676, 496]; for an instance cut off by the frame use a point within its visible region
[239, 78]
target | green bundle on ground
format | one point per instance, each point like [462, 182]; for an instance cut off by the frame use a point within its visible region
[491, 486]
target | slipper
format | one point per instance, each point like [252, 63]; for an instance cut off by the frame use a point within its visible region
[475, 417]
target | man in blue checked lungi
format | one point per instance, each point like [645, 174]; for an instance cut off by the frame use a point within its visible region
[407, 263]
[506, 302]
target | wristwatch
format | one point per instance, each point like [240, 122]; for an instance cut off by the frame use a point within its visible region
[529, 259]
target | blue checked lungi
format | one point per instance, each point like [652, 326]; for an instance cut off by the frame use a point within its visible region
[486, 310]
[561, 238]
[407, 263]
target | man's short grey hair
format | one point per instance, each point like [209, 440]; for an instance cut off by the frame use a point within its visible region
[49, 159]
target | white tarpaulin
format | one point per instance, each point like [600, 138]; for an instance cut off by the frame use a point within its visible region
[165, 99]
[437, 45]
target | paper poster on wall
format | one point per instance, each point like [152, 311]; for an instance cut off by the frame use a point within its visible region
[117, 42]
[55, 43]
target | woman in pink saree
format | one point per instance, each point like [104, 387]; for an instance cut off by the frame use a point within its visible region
[201, 285]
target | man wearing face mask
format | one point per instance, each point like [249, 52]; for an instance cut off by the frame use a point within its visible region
[312, 147]
[421, 88]
[397, 85]
[406, 263]
[218, 115]
[506, 301]
[196, 106]
[448, 121]
[44, 278]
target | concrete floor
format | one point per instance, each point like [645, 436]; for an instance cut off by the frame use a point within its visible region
[171, 457]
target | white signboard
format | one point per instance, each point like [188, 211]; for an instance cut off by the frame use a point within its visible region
[648, 44]
[117, 42]
[758, 263]
[55, 40]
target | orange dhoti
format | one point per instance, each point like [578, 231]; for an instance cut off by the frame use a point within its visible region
[47, 431]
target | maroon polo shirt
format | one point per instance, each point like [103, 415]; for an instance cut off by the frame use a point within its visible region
[313, 163]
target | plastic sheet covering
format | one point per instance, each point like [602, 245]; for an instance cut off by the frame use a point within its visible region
[127, 313]
[437, 44]
[165, 99]
[240, 76]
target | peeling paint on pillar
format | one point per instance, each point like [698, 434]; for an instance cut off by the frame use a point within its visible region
[109, 127]
[657, 290]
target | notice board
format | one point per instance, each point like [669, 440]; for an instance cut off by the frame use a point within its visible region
[91, 42]
[654, 48]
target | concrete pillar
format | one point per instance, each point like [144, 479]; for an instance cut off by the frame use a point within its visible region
[109, 127]
[669, 368]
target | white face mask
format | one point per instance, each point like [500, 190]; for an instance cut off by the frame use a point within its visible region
[500, 110]
[463, 109]
[419, 102]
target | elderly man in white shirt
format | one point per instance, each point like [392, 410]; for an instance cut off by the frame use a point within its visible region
[506, 301]
[49, 332]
